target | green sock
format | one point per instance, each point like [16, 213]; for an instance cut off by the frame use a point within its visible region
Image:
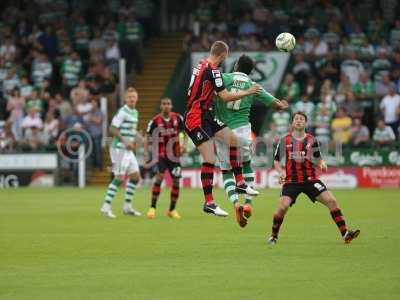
[230, 185]
[130, 190]
[112, 190]
[248, 174]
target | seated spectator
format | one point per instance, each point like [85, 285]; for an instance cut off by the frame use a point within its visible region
[25, 88]
[343, 88]
[80, 93]
[352, 106]
[311, 89]
[289, 89]
[97, 47]
[8, 49]
[63, 106]
[327, 89]
[381, 66]
[390, 107]
[366, 51]
[281, 119]
[71, 70]
[352, 67]
[341, 127]
[383, 87]
[315, 47]
[7, 139]
[395, 34]
[10, 81]
[32, 119]
[247, 26]
[15, 107]
[34, 101]
[34, 138]
[364, 89]
[327, 67]
[328, 103]
[322, 125]
[41, 68]
[383, 134]
[359, 134]
[112, 55]
[51, 127]
[305, 106]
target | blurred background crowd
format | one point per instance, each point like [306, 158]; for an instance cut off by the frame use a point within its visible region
[57, 58]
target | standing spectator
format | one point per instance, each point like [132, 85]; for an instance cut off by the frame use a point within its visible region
[32, 119]
[41, 69]
[383, 134]
[341, 127]
[81, 37]
[315, 47]
[10, 82]
[301, 69]
[343, 88]
[71, 70]
[352, 67]
[49, 42]
[289, 90]
[97, 47]
[51, 127]
[390, 106]
[353, 107]
[395, 34]
[79, 94]
[328, 67]
[112, 55]
[328, 104]
[94, 125]
[26, 88]
[364, 91]
[359, 134]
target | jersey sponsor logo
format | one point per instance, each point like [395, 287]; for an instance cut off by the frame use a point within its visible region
[219, 122]
[318, 186]
[216, 73]
[199, 136]
[218, 82]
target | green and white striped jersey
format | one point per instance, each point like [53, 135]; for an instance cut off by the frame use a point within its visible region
[126, 120]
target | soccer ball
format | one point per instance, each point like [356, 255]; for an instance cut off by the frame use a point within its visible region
[285, 42]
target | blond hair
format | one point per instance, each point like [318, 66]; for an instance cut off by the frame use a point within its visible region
[218, 48]
[130, 90]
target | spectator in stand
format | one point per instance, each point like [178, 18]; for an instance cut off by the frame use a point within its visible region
[94, 125]
[359, 134]
[71, 71]
[381, 66]
[352, 67]
[247, 26]
[327, 89]
[272, 136]
[281, 119]
[383, 88]
[34, 138]
[63, 106]
[25, 88]
[97, 47]
[301, 69]
[112, 55]
[49, 42]
[41, 68]
[383, 135]
[32, 119]
[15, 107]
[343, 88]
[352, 106]
[289, 90]
[79, 94]
[34, 101]
[10, 82]
[81, 35]
[8, 49]
[341, 127]
[396, 70]
[51, 127]
[311, 89]
[327, 67]
[322, 125]
[305, 106]
[132, 44]
[7, 139]
[390, 106]
[395, 34]
[316, 48]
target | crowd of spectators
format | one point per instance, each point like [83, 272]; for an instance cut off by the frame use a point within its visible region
[344, 72]
[57, 58]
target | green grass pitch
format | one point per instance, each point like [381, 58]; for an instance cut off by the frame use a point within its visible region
[54, 244]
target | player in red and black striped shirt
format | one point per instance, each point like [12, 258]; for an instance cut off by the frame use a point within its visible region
[202, 125]
[162, 139]
[301, 152]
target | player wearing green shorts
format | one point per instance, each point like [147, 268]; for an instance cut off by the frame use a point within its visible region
[235, 115]
[124, 163]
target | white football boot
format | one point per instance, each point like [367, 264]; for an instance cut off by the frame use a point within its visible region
[129, 210]
[106, 211]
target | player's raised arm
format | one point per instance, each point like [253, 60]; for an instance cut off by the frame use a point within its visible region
[268, 99]
[227, 96]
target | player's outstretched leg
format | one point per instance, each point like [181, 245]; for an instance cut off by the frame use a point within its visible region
[155, 192]
[249, 178]
[230, 189]
[129, 193]
[330, 202]
[111, 192]
[207, 176]
[172, 212]
[283, 206]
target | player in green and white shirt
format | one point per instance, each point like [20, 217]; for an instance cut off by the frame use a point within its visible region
[123, 130]
[235, 115]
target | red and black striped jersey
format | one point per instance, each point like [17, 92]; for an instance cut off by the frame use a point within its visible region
[299, 155]
[206, 80]
[166, 132]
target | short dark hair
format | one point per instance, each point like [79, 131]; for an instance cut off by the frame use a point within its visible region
[245, 64]
[301, 114]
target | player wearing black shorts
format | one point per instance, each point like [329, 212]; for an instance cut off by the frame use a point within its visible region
[201, 125]
[162, 141]
[301, 152]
